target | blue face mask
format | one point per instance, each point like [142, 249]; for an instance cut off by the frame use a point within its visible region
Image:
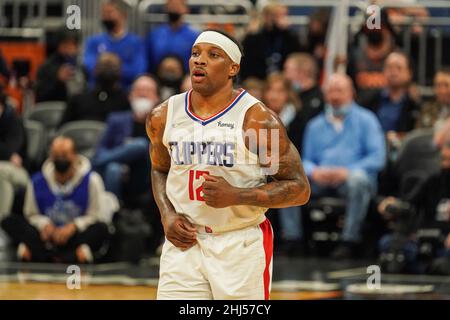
[340, 112]
[296, 86]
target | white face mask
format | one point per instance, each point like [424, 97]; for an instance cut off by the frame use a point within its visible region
[142, 106]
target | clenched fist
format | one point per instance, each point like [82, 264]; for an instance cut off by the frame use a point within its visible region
[218, 193]
[179, 231]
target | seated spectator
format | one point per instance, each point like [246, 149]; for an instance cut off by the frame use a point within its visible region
[170, 75]
[428, 208]
[125, 142]
[434, 114]
[343, 151]
[175, 37]
[317, 33]
[129, 47]
[255, 87]
[367, 55]
[107, 96]
[63, 210]
[13, 176]
[394, 106]
[280, 98]
[60, 76]
[302, 71]
[413, 16]
[266, 50]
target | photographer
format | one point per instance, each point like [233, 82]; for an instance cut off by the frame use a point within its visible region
[429, 209]
[60, 76]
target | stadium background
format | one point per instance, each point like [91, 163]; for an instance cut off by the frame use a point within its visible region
[28, 32]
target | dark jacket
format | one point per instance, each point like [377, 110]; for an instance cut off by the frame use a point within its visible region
[261, 46]
[95, 105]
[312, 102]
[428, 199]
[12, 135]
[119, 126]
[408, 116]
[48, 86]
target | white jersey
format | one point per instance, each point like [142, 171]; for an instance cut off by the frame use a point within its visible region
[215, 146]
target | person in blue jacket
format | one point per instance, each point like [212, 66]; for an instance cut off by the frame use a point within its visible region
[124, 143]
[343, 152]
[129, 47]
[172, 38]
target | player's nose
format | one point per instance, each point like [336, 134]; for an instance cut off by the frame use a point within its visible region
[200, 59]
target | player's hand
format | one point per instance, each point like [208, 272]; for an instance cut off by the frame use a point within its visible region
[179, 231]
[63, 234]
[47, 232]
[65, 72]
[218, 193]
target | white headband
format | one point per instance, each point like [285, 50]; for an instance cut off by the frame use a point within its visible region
[223, 42]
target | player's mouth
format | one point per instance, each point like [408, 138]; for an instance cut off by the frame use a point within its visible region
[198, 75]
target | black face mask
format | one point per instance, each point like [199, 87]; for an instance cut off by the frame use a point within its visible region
[109, 25]
[72, 60]
[170, 80]
[106, 79]
[62, 165]
[173, 17]
[375, 37]
[315, 39]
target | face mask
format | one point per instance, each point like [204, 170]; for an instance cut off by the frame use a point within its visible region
[109, 25]
[62, 165]
[170, 79]
[142, 106]
[173, 17]
[297, 86]
[72, 60]
[337, 112]
[107, 78]
[375, 37]
[315, 39]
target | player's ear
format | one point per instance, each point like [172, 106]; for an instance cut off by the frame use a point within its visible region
[234, 69]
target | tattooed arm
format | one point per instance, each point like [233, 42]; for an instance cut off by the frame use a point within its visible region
[290, 186]
[177, 228]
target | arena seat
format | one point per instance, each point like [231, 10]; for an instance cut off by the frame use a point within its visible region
[418, 157]
[36, 143]
[85, 133]
[49, 114]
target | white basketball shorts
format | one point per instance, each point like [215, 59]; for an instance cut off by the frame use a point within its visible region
[230, 265]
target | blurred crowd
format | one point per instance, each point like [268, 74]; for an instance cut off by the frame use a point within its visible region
[354, 132]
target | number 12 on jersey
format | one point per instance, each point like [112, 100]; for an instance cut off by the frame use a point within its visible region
[195, 194]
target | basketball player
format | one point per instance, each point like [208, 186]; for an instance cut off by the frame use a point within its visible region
[210, 184]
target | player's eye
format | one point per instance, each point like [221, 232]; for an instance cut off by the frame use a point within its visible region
[195, 54]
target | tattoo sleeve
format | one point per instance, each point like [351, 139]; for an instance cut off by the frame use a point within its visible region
[160, 158]
[290, 186]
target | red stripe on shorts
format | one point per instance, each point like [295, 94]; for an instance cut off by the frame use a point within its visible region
[268, 250]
